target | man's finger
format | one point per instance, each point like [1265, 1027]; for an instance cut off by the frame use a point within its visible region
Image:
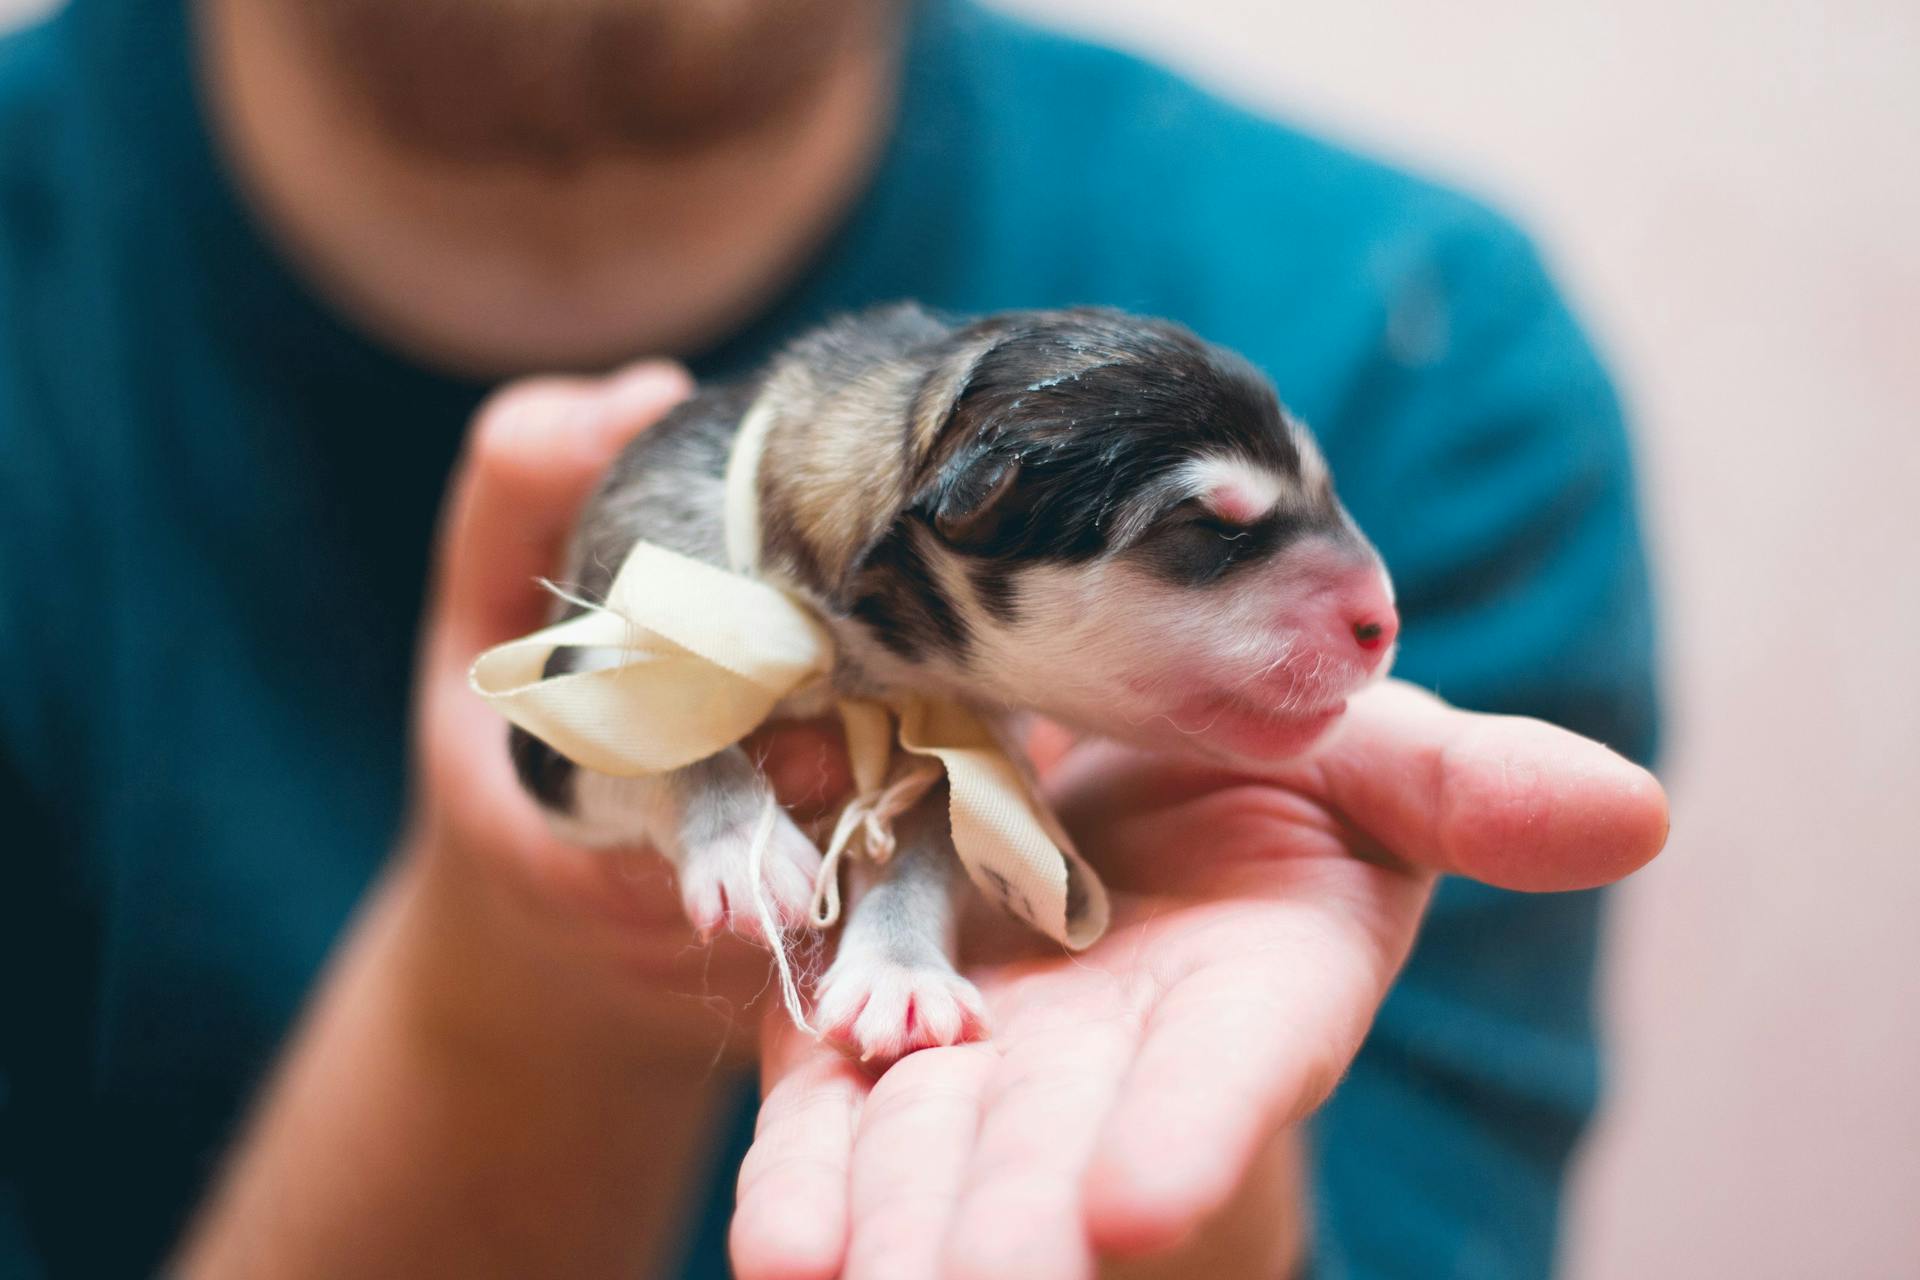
[1514, 802]
[1019, 1211]
[791, 1219]
[1508, 800]
[534, 453]
[916, 1132]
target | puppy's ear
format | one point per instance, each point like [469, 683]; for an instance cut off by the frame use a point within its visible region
[973, 498]
[971, 495]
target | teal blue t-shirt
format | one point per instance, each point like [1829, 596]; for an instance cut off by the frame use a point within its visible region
[217, 499]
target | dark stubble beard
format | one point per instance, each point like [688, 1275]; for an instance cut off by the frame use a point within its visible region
[562, 82]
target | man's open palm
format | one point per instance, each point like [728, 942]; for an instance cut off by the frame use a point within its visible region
[1126, 1090]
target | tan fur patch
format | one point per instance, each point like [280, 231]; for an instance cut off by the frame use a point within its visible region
[823, 483]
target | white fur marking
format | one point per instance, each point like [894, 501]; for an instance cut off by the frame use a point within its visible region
[610, 812]
[1239, 490]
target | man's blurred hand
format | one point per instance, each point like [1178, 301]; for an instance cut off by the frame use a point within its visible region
[1128, 1090]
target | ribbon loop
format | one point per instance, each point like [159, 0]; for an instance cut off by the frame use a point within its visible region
[686, 660]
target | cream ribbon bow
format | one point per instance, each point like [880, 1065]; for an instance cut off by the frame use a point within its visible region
[707, 655]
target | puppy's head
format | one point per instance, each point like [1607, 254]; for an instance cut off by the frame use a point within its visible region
[1117, 525]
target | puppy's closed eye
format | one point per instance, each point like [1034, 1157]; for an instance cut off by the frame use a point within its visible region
[1194, 544]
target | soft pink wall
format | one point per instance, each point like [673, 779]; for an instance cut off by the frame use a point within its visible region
[1731, 188]
[12, 11]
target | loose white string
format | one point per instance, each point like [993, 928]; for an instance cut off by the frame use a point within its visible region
[775, 935]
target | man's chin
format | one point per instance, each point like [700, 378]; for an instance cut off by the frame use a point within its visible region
[566, 81]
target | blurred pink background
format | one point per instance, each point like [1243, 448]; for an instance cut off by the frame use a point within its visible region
[1730, 191]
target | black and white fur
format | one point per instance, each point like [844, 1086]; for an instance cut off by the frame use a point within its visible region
[1080, 513]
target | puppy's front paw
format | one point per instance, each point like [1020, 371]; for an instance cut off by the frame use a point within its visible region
[716, 878]
[883, 1009]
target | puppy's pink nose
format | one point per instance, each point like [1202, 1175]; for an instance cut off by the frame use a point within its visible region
[1368, 614]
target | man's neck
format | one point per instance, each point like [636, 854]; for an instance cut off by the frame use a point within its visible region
[502, 269]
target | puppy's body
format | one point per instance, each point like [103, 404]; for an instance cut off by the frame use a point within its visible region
[1081, 513]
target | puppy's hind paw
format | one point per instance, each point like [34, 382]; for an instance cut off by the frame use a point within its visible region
[883, 1010]
[717, 887]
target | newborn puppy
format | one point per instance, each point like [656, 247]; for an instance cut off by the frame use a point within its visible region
[1082, 513]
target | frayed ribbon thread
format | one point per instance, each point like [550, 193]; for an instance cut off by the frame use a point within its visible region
[869, 819]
